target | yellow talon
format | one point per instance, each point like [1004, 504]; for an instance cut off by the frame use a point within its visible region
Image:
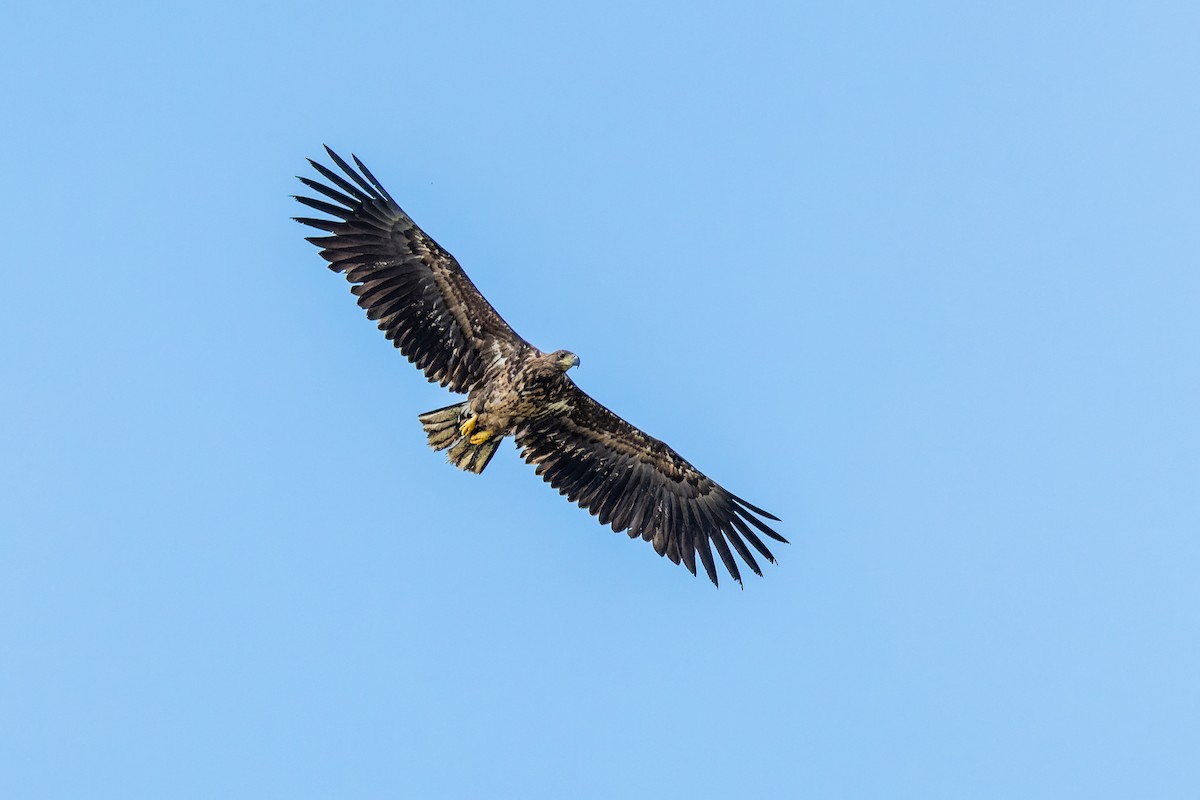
[468, 426]
[481, 437]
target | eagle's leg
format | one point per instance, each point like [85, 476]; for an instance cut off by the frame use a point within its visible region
[480, 437]
[466, 428]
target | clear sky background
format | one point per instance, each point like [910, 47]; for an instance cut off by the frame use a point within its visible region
[923, 281]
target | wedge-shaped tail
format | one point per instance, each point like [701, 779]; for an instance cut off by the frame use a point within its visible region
[442, 427]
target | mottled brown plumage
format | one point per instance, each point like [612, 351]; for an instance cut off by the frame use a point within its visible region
[427, 306]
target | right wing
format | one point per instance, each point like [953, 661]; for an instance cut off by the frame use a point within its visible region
[640, 485]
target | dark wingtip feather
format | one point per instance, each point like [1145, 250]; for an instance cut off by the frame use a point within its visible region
[742, 550]
[752, 538]
[762, 526]
[688, 556]
[706, 558]
[754, 508]
[374, 181]
[340, 182]
[323, 207]
[722, 547]
[350, 172]
[332, 194]
[321, 224]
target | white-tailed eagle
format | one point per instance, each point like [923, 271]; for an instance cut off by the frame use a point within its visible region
[427, 306]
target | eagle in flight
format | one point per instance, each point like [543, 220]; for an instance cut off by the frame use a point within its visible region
[426, 305]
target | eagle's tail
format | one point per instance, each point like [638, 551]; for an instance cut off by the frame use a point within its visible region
[442, 428]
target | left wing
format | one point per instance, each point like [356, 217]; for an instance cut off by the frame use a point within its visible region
[638, 484]
[416, 291]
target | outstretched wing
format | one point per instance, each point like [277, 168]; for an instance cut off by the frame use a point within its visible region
[638, 484]
[415, 290]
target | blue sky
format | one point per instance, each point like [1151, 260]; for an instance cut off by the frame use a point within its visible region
[922, 281]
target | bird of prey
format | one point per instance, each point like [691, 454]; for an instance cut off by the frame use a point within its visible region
[426, 305]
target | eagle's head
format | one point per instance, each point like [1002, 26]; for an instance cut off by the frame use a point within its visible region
[564, 359]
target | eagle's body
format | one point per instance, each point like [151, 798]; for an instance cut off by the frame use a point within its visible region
[528, 388]
[428, 307]
[515, 391]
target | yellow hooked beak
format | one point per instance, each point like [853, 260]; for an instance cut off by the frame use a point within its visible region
[569, 361]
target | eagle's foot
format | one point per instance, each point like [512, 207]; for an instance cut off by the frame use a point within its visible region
[480, 437]
[468, 426]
